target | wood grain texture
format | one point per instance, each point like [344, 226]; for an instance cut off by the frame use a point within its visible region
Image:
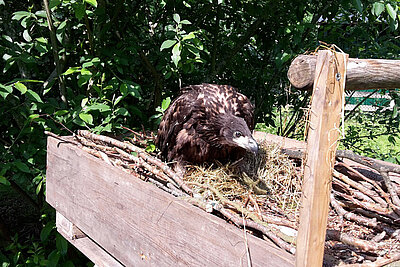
[87, 246]
[323, 133]
[361, 73]
[282, 142]
[140, 225]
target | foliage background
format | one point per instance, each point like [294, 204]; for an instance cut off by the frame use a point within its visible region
[103, 64]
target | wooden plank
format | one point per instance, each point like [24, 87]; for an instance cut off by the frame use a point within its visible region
[67, 228]
[322, 138]
[282, 142]
[88, 247]
[138, 224]
[361, 73]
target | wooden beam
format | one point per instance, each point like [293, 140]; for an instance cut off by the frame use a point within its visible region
[139, 224]
[322, 139]
[361, 73]
[87, 246]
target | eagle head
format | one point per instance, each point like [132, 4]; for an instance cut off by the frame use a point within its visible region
[233, 131]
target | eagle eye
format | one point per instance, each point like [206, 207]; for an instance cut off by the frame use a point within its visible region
[237, 134]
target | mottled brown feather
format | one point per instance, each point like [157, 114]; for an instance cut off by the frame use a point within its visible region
[179, 135]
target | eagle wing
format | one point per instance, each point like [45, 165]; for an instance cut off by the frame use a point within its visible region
[190, 113]
[181, 116]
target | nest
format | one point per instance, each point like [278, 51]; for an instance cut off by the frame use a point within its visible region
[262, 193]
[270, 177]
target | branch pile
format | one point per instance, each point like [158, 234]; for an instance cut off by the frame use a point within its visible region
[263, 193]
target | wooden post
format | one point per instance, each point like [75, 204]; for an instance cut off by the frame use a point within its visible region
[323, 133]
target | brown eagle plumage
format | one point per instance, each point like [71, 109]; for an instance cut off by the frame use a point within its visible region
[207, 122]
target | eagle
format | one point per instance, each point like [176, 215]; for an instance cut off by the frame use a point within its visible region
[207, 122]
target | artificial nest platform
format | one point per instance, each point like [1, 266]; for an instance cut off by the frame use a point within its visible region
[262, 195]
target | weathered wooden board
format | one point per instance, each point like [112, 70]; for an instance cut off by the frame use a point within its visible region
[138, 224]
[283, 142]
[323, 133]
[361, 73]
[85, 245]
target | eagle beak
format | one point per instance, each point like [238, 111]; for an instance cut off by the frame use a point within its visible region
[253, 146]
[247, 143]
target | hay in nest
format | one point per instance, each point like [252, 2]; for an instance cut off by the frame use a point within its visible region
[270, 176]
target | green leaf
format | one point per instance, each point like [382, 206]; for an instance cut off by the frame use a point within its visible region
[60, 112]
[99, 106]
[21, 87]
[185, 21]
[61, 244]
[26, 36]
[5, 90]
[150, 148]
[390, 10]
[377, 8]
[176, 54]
[22, 166]
[44, 234]
[177, 18]
[20, 14]
[72, 70]
[54, 3]
[42, 40]
[167, 44]
[189, 36]
[34, 96]
[41, 13]
[4, 181]
[33, 116]
[53, 258]
[358, 5]
[92, 2]
[85, 72]
[165, 103]
[38, 188]
[84, 102]
[79, 9]
[86, 117]
[122, 111]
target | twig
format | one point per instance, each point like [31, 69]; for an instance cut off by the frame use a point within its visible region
[364, 245]
[351, 216]
[54, 45]
[381, 261]
[141, 153]
[360, 187]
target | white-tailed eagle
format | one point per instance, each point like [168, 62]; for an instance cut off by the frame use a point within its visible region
[207, 122]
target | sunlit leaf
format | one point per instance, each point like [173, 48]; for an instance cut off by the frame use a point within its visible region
[20, 14]
[34, 96]
[167, 44]
[86, 117]
[92, 2]
[176, 54]
[391, 11]
[165, 103]
[185, 21]
[72, 70]
[177, 18]
[377, 8]
[26, 36]
[189, 36]
[21, 87]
